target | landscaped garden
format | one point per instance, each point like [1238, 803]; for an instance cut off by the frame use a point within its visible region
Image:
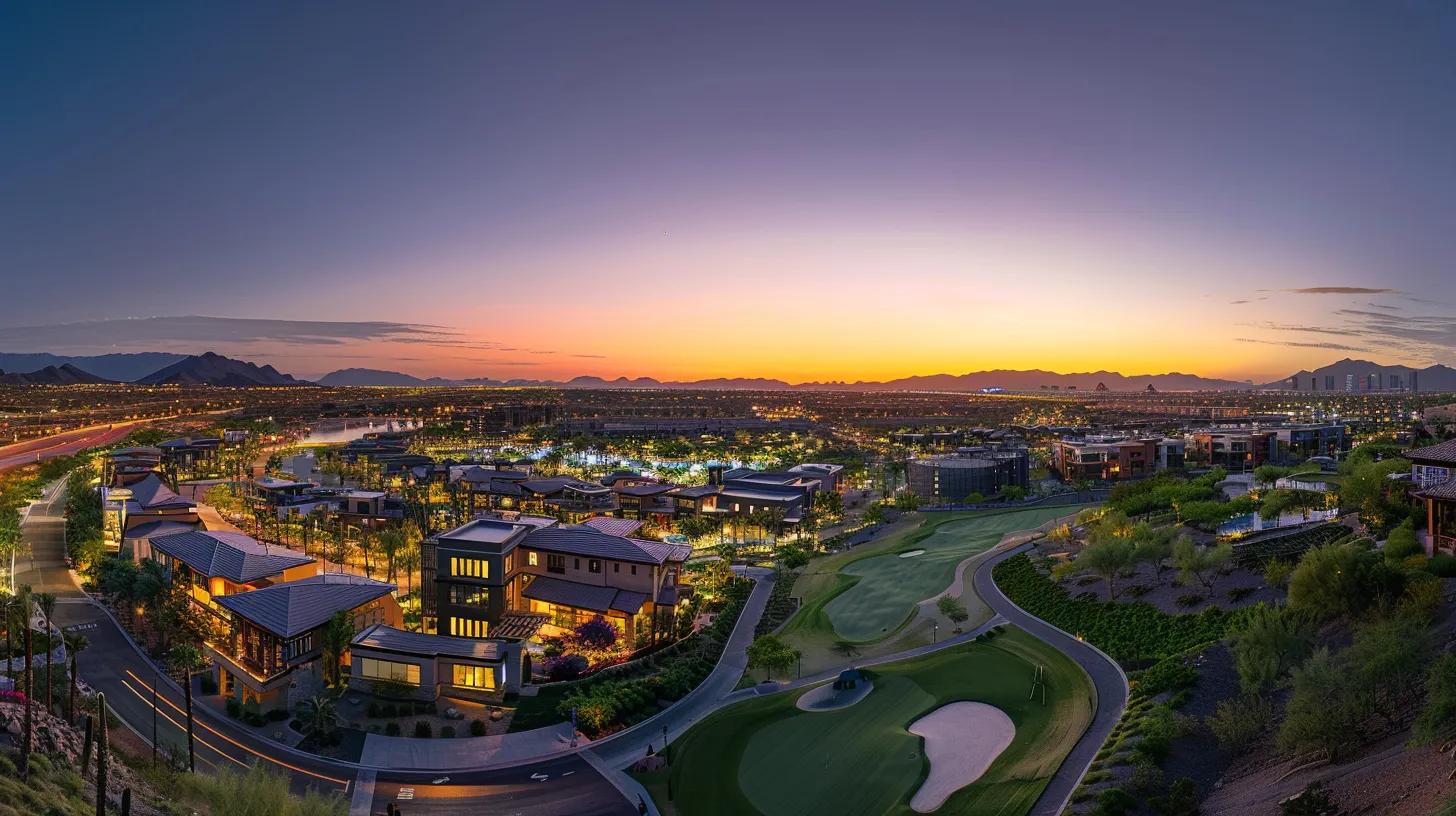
[768, 756]
[864, 601]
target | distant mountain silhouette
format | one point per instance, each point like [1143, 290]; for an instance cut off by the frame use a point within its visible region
[1356, 375]
[115, 367]
[65, 374]
[215, 369]
[975, 381]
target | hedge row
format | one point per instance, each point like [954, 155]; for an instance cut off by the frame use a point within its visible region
[1132, 633]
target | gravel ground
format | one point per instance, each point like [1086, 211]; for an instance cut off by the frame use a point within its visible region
[1163, 591]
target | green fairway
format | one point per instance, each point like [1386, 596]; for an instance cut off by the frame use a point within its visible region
[766, 756]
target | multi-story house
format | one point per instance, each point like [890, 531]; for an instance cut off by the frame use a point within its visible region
[275, 632]
[1113, 458]
[214, 564]
[523, 576]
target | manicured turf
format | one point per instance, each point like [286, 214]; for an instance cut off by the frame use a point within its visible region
[766, 756]
[885, 588]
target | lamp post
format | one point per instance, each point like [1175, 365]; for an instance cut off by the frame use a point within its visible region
[935, 632]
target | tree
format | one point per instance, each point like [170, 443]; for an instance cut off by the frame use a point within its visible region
[828, 504]
[595, 635]
[1329, 581]
[75, 644]
[318, 717]
[1180, 800]
[1437, 721]
[1013, 493]
[1388, 663]
[769, 653]
[696, 527]
[1326, 711]
[102, 752]
[1200, 564]
[791, 557]
[907, 502]
[874, 514]
[1366, 488]
[953, 609]
[12, 540]
[47, 603]
[1277, 572]
[338, 633]
[1108, 558]
[1267, 643]
[1152, 547]
[408, 560]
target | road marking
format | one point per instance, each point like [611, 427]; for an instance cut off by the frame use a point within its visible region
[540, 777]
[406, 793]
[79, 627]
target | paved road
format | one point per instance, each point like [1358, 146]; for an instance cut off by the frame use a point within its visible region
[43, 565]
[622, 749]
[1107, 678]
[568, 785]
[62, 444]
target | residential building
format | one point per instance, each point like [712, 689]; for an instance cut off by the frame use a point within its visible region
[436, 665]
[144, 501]
[521, 576]
[1114, 458]
[214, 564]
[275, 632]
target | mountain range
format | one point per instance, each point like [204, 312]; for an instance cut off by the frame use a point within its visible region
[974, 381]
[64, 374]
[217, 370]
[115, 367]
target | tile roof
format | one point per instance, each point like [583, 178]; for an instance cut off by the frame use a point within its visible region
[696, 492]
[613, 526]
[233, 556]
[588, 541]
[518, 625]
[158, 528]
[1444, 490]
[151, 494]
[1441, 452]
[645, 490]
[390, 639]
[295, 607]
[584, 596]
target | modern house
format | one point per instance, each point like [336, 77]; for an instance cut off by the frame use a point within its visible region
[1433, 471]
[144, 501]
[214, 564]
[524, 576]
[1115, 458]
[276, 631]
[436, 665]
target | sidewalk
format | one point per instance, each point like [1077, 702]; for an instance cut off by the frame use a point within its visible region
[408, 753]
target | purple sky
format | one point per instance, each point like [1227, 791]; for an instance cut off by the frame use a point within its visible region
[835, 190]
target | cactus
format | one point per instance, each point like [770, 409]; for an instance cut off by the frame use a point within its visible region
[126, 802]
[25, 745]
[101, 757]
[86, 751]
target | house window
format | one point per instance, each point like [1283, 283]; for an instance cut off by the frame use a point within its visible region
[576, 563]
[556, 563]
[593, 565]
[531, 558]
[298, 647]
[616, 567]
[467, 627]
[462, 595]
[634, 569]
[373, 669]
[480, 677]
[470, 567]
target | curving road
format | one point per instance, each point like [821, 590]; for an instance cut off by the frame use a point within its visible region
[64, 444]
[1107, 678]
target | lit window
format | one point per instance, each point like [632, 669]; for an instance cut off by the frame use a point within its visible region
[389, 670]
[532, 559]
[481, 677]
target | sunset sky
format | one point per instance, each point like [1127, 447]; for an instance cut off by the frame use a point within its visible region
[805, 191]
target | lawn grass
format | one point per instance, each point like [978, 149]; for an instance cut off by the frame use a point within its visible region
[766, 756]
[868, 595]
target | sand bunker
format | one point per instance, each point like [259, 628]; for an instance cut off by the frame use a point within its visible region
[912, 553]
[828, 698]
[961, 742]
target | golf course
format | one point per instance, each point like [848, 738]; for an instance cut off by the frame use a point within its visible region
[767, 756]
[868, 601]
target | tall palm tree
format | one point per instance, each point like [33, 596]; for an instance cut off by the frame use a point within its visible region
[75, 644]
[337, 635]
[47, 603]
[9, 611]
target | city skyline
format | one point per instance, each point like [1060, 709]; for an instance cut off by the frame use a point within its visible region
[546, 195]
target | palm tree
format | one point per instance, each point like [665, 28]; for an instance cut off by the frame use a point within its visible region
[47, 603]
[9, 611]
[75, 644]
[318, 717]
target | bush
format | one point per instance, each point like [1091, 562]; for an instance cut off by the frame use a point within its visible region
[389, 711]
[1402, 542]
[1190, 599]
[423, 729]
[477, 728]
[1442, 565]
[1238, 594]
[1238, 722]
[566, 667]
[1113, 802]
[1168, 674]
[234, 708]
[374, 711]
[208, 684]
[391, 729]
[1160, 726]
[448, 732]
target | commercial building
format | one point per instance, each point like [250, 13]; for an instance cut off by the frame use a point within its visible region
[1113, 458]
[968, 471]
[1245, 448]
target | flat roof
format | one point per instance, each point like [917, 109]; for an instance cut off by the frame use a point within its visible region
[401, 641]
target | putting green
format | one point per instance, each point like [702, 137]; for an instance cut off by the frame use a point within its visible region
[888, 587]
[766, 756]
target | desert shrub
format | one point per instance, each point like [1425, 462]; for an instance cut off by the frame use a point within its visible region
[423, 729]
[448, 732]
[1190, 599]
[1238, 594]
[1442, 565]
[391, 729]
[1237, 722]
[477, 728]
[1168, 674]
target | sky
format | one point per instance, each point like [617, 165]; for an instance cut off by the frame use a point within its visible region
[806, 191]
